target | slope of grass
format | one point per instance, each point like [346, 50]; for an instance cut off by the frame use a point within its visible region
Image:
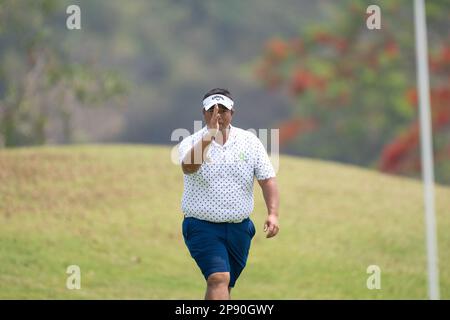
[114, 210]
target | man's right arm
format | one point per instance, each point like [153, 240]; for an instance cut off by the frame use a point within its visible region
[197, 154]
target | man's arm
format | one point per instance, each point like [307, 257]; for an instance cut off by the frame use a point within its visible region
[272, 198]
[195, 157]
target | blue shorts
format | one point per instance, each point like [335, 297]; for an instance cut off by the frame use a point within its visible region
[219, 247]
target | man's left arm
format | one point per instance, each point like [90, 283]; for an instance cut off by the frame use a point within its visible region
[272, 198]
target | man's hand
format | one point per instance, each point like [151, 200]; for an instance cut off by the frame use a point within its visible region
[271, 225]
[195, 157]
[272, 198]
[213, 123]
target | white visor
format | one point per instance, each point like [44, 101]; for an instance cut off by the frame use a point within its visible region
[219, 99]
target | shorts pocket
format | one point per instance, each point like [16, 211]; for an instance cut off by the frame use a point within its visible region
[184, 228]
[252, 228]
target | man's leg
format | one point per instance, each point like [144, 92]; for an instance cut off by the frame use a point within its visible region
[239, 238]
[217, 286]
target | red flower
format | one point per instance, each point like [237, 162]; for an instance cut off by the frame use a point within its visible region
[322, 37]
[394, 154]
[391, 49]
[442, 118]
[411, 96]
[277, 49]
[303, 79]
[445, 54]
[290, 129]
[341, 45]
[300, 81]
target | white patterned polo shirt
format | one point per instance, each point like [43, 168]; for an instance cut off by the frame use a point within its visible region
[222, 188]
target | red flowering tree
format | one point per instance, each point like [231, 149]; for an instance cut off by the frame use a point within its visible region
[355, 87]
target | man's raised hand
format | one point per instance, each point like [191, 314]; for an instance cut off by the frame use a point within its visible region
[213, 124]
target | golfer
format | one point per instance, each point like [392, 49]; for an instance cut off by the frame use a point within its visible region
[219, 163]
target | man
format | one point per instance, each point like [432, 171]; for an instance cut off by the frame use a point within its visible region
[219, 163]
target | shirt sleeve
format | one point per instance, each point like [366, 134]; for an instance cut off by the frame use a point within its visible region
[184, 147]
[263, 167]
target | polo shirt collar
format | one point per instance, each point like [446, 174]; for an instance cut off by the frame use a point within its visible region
[231, 136]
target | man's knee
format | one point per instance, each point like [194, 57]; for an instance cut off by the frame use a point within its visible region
[219, 279]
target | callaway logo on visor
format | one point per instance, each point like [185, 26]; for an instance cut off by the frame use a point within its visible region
[212, 100]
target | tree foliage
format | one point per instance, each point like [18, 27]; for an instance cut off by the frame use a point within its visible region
[40, 84]
[355, 87]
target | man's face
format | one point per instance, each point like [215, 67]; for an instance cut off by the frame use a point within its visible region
[225, 116]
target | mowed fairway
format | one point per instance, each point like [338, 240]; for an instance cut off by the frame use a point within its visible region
[114, 210]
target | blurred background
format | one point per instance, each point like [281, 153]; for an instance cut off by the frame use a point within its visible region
[135, 72]
[138, 70]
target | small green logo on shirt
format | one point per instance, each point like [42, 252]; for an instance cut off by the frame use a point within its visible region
[242, 157]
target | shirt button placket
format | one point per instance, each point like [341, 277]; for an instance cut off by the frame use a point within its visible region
[223, 162]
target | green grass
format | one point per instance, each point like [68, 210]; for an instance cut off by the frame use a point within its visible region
[114, 210]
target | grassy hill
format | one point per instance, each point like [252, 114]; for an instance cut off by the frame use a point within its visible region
[114, 210]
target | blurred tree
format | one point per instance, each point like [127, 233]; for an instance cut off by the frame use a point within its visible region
[357, 86]
[40, 86]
